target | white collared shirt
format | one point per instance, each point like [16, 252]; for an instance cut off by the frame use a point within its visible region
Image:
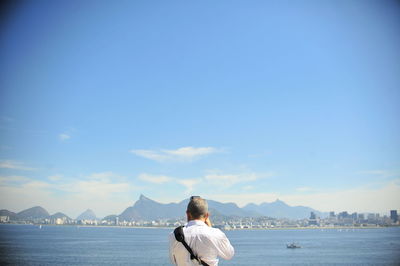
[206, 242]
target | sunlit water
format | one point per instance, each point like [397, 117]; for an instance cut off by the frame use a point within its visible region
[71, 245]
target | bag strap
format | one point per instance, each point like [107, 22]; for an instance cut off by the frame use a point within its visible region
[180, 237]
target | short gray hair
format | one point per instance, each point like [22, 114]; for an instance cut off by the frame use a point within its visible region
[197, 208]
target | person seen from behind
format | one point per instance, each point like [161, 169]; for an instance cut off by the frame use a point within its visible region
[204, 242]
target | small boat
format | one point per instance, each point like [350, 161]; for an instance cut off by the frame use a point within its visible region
[292, 245]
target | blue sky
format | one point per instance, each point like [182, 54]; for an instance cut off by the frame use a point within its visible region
[236, 101]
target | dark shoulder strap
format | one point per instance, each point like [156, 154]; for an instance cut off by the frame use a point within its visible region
[180, 237]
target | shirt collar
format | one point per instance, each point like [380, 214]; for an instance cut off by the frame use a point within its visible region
[195, 222]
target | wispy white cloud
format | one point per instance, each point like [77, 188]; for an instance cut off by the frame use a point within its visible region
[156, 179]
[358, 199]
[106, 176]
[101, 191]
[55, 177]
[304, 189]
[183, 154]
[213, 178]
[189, 183]
[64, 136]
[95, 188]
[67, 134]
[98, 184]
[13, 180]
[15, 165]
[228, 180]
[149, 154]
[191, 152]
[260, 155]
[381, 173]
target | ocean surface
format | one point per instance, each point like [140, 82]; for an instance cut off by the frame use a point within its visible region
[72, 245]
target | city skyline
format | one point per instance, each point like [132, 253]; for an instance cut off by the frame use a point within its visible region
[233, 101]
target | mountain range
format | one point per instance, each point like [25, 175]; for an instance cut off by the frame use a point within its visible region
[34, 213]
[147, 209]
[279, 209]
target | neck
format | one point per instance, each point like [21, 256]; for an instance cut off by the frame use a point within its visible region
[197, 219]
[202, 220]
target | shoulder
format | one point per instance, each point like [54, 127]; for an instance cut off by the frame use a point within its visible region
[171, 236]
[214, 232]
[203, 231]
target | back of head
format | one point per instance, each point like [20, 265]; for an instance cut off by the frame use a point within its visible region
[197, 208]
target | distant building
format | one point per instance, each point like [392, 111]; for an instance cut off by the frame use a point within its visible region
[393, 216]
[332, 215]
[371, 218]
[4, 219]
[313, 219]
[343, 215]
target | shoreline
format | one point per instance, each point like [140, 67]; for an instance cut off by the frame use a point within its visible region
[234, 229]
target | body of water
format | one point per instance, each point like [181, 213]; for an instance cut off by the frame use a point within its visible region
[72, 245]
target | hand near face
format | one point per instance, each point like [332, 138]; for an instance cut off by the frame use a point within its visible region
[208, 222]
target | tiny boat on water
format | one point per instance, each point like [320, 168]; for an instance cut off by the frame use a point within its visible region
[292, 245]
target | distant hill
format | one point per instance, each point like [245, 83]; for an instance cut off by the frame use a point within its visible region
[8, 213]
[217, 217]
[60, 215]
[87, 215]
[110, 218]
[147, 209]
[279, 209]
[231, 209]
[33, 213]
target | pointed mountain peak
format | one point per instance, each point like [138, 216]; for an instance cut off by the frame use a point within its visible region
[144, 201]
[276, 203]
[279, 202]
[143, 197]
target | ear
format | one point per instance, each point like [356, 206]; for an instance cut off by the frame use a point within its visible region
[207, 215]
[189, 217]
